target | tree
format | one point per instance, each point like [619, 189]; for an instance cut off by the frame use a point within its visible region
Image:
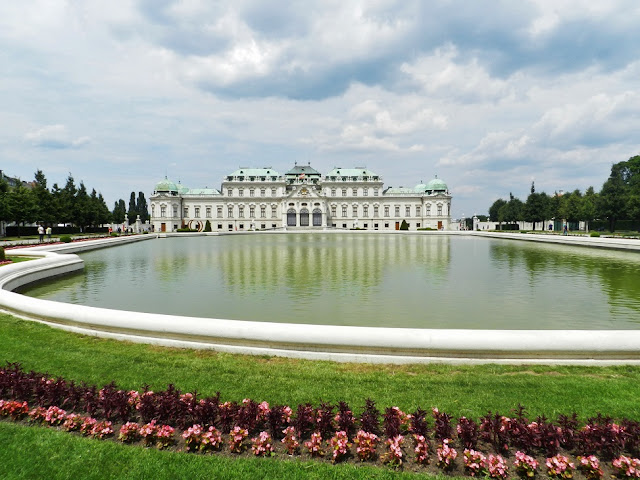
[67, 199]
[142, 208]
[571, 206]
[119, 211]
[511, 211]
[43, 199]
[536, 208]
[132, 213]
[495, 209]
[589, 207]
[81, 212]
[21, 205]
[613, 197]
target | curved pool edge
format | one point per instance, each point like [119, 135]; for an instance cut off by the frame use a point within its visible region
[315, 342]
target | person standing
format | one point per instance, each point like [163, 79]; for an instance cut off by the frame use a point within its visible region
[48, 231]
[41, 233]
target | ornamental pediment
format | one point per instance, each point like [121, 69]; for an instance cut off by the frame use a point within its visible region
[304, 191]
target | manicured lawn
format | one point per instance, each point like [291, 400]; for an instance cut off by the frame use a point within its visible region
[458, 390]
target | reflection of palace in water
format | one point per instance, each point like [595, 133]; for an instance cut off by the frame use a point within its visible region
[302, 198]
[308, 262]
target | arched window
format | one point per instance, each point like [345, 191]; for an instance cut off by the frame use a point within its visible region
[304, 217]
[291, 218]
[317, 217]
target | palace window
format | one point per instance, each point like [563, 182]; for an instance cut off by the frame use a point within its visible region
[365, 192]
[439, 210]
[386, 210]
[252, 192]
[208, 212]
[240, 211]
[230, 192]
[185, 212]
[365, 210]
[334, 212]
[344, 192]
[241, 192]
[252, 211]
[354, 191]
[219, 212]
[273, 192]
[355, 211]
[219, 226]
[375, 210]
[344, 210]
[427, 210]
[407, 211]
[263, 212]
[274, 211]
[397, 210]
[333, 192]
[375, 192]
[230, 212]
[263, 192]
[418, 210]
[175, 210]
[163, 211]
[196, 212]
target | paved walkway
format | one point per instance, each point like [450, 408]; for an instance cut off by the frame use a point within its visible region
[577, 240]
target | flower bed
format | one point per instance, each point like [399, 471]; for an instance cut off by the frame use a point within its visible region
[494, 446]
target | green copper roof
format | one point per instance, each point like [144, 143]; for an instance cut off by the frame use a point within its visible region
[182, 189]
[300, 169]
[437, 185]
[202, 191]
[166, 185]
[351, 172]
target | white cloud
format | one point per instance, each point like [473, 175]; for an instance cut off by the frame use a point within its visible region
[55, 136]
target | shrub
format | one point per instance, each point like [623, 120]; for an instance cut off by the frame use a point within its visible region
[559, 467]
[65, 239]
[207, 226]
[394, 454]
[340, 445]
[594, 234]
[366, 444]
[526, 466]
[446, 455]
[2, 256]
[404, 225]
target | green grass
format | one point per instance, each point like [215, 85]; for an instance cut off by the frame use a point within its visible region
[459, 390]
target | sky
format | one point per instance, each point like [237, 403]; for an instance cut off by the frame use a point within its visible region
[490, 96]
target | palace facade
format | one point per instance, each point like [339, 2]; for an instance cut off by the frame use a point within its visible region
[302, 198]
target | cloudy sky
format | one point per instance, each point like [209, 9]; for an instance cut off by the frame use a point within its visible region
[488, 95]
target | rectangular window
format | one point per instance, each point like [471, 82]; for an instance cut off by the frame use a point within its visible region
[418, 210]
[365, 210]
[230, 192]
[407, 211]
[366, 225]
[240, 192]
[263, 192]
[208, 212]
[439, 210]
[274, 211]
[355, 211]
[175, 210]
[163, 211]
[273, 192]
[375, 210]
[252, 192]
[375, 192]
[344, 210]
[240, 211]
[262, 226]
[185, 212]
[365, 192]
[263, 212]
[397, 210]
[219, 226]
[252, 211]
[196, 213]
[418, 225]
[334, 212]
[230, 212]
[219, 212]
[273, 225]
[354, 191]
[386, 210]
[386, 225]
[344, 192]
[333, 192]
[375, 225]
[428, 210]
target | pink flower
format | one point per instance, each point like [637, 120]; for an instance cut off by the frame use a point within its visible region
[366, 444]
[262, 445]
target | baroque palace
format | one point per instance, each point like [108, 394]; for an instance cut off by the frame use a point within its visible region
[302, 198]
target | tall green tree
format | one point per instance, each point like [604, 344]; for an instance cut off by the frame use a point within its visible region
[132, 213]
[571, 206]
[21, 206]
[613, 198]
[43, 199]
[142, 208]
[81, 212]
[494, 210]
[589, 207]
[536, 208]
[119, 211]
[66, 201]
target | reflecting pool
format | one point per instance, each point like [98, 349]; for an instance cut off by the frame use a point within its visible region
[419, 281]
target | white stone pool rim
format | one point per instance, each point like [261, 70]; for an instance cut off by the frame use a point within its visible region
[317, 342]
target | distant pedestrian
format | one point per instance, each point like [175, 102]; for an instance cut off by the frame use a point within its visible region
[41, 233]
[565, 229]
[48, 233]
